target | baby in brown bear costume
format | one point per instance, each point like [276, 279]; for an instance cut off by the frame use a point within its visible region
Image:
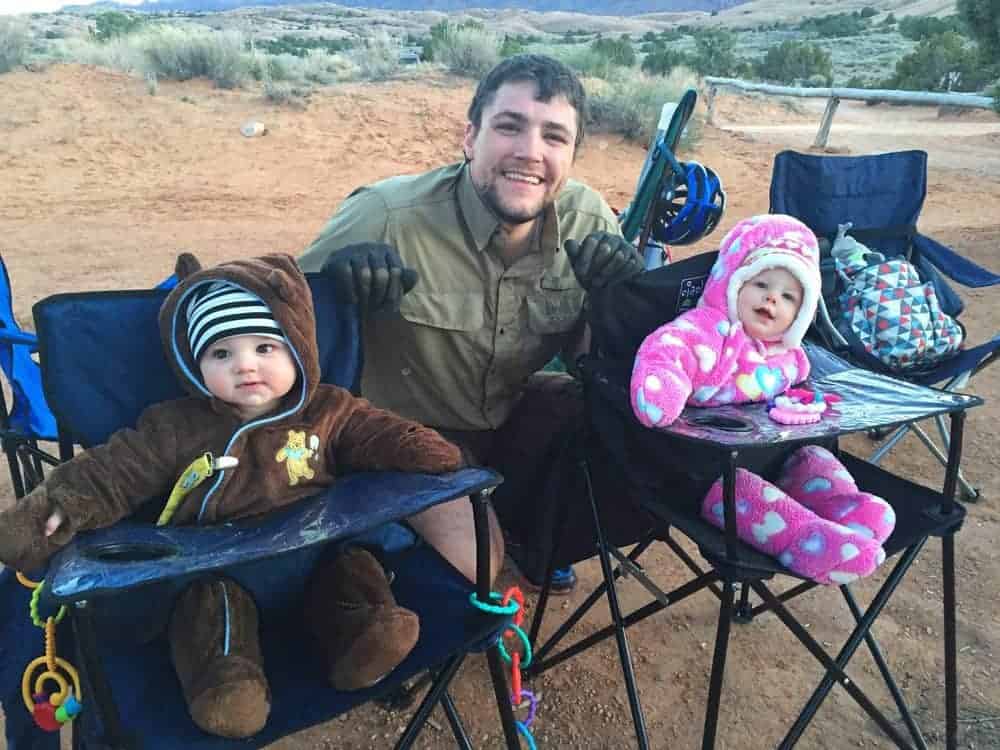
[242, 338]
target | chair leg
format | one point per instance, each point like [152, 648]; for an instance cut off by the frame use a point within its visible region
[744, 612]
[438, 688]
[835, 668]
[14, 466]
[457, 729]
[616, 617]
[718, 666]
[96, 685]
[950, 643]
[538, 664]
[887, 677]
[889, 444]
[502, 693]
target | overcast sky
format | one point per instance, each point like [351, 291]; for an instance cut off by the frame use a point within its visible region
[8, 7]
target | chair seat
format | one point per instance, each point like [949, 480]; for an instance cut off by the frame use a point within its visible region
[917, 516]
[424, 583]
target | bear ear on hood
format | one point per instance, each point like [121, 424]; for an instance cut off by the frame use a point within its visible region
[186, 265]
[279, 281]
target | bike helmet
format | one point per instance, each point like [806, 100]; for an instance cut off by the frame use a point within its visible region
[690, 208]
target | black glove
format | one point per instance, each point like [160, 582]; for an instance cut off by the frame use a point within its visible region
[370, 275]
[603, 259]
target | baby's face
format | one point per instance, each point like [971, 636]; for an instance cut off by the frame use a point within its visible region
[252, 373]
[768, 303]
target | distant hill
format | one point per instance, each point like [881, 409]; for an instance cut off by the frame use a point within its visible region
[602, 7]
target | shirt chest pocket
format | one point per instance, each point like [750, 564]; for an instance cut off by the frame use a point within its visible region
[450, 311]
[554, 310]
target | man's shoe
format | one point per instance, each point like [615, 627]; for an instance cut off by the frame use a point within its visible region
[563, 582]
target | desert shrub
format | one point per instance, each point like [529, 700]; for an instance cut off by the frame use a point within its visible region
[438, 34]
[467, 50]
[14, 44]
[630, 104]
[511, 45]
[181, 54]
[835, 25]
[112, 24]
[583, 59]
[889, 20]
[120, 53]
[617, 51]
[940, 63]
[301, 46]
[323, 67]
[378, 58]
[283, 92]
[868, 11]
[795, 61]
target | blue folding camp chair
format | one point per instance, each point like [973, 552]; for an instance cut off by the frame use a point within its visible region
[882, 196]
[29, 419]
[116, 582]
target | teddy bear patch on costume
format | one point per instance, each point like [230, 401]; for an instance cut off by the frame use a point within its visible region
[295, 455]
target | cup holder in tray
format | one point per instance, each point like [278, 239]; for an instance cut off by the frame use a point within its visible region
[720, 422]
[128, 552]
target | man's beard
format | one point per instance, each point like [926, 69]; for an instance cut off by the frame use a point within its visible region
[525, 215]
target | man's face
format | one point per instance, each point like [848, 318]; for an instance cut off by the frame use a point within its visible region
[768, 303]
[521, 154]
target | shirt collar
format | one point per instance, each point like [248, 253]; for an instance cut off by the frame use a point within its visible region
[483, 224]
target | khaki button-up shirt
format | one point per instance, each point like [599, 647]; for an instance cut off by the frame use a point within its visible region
[472, 330]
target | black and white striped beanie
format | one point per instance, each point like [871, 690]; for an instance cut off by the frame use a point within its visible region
[223, 310]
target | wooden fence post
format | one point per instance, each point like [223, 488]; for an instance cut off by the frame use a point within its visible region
[824, 127]
[710, 101]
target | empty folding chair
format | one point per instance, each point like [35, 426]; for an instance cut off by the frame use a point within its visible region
[28, 420]
[881, 196]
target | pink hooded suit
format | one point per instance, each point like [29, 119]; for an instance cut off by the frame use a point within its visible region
[815, 521]
[704, 357]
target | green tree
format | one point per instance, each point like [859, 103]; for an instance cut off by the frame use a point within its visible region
[715, 53]
[618, 51]
[795, 61]
[923, 27]
[661, 62]
[982, 18]
[940, 63]
[112, 23]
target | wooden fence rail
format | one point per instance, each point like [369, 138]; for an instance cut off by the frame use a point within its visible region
[834, 95]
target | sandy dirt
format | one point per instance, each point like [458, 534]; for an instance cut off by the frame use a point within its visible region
[102, 185]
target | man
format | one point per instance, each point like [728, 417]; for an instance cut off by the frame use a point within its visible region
[471, 278]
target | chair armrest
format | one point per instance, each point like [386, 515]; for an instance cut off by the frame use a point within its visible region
[128, 555]
[21, 338]
[953, 265]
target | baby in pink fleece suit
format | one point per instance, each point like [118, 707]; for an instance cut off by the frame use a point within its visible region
[741, 344]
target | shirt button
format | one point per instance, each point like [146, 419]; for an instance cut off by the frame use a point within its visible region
[406, 371]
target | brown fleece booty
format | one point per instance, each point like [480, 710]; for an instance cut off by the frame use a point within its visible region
[215, 648]
[362, 633]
